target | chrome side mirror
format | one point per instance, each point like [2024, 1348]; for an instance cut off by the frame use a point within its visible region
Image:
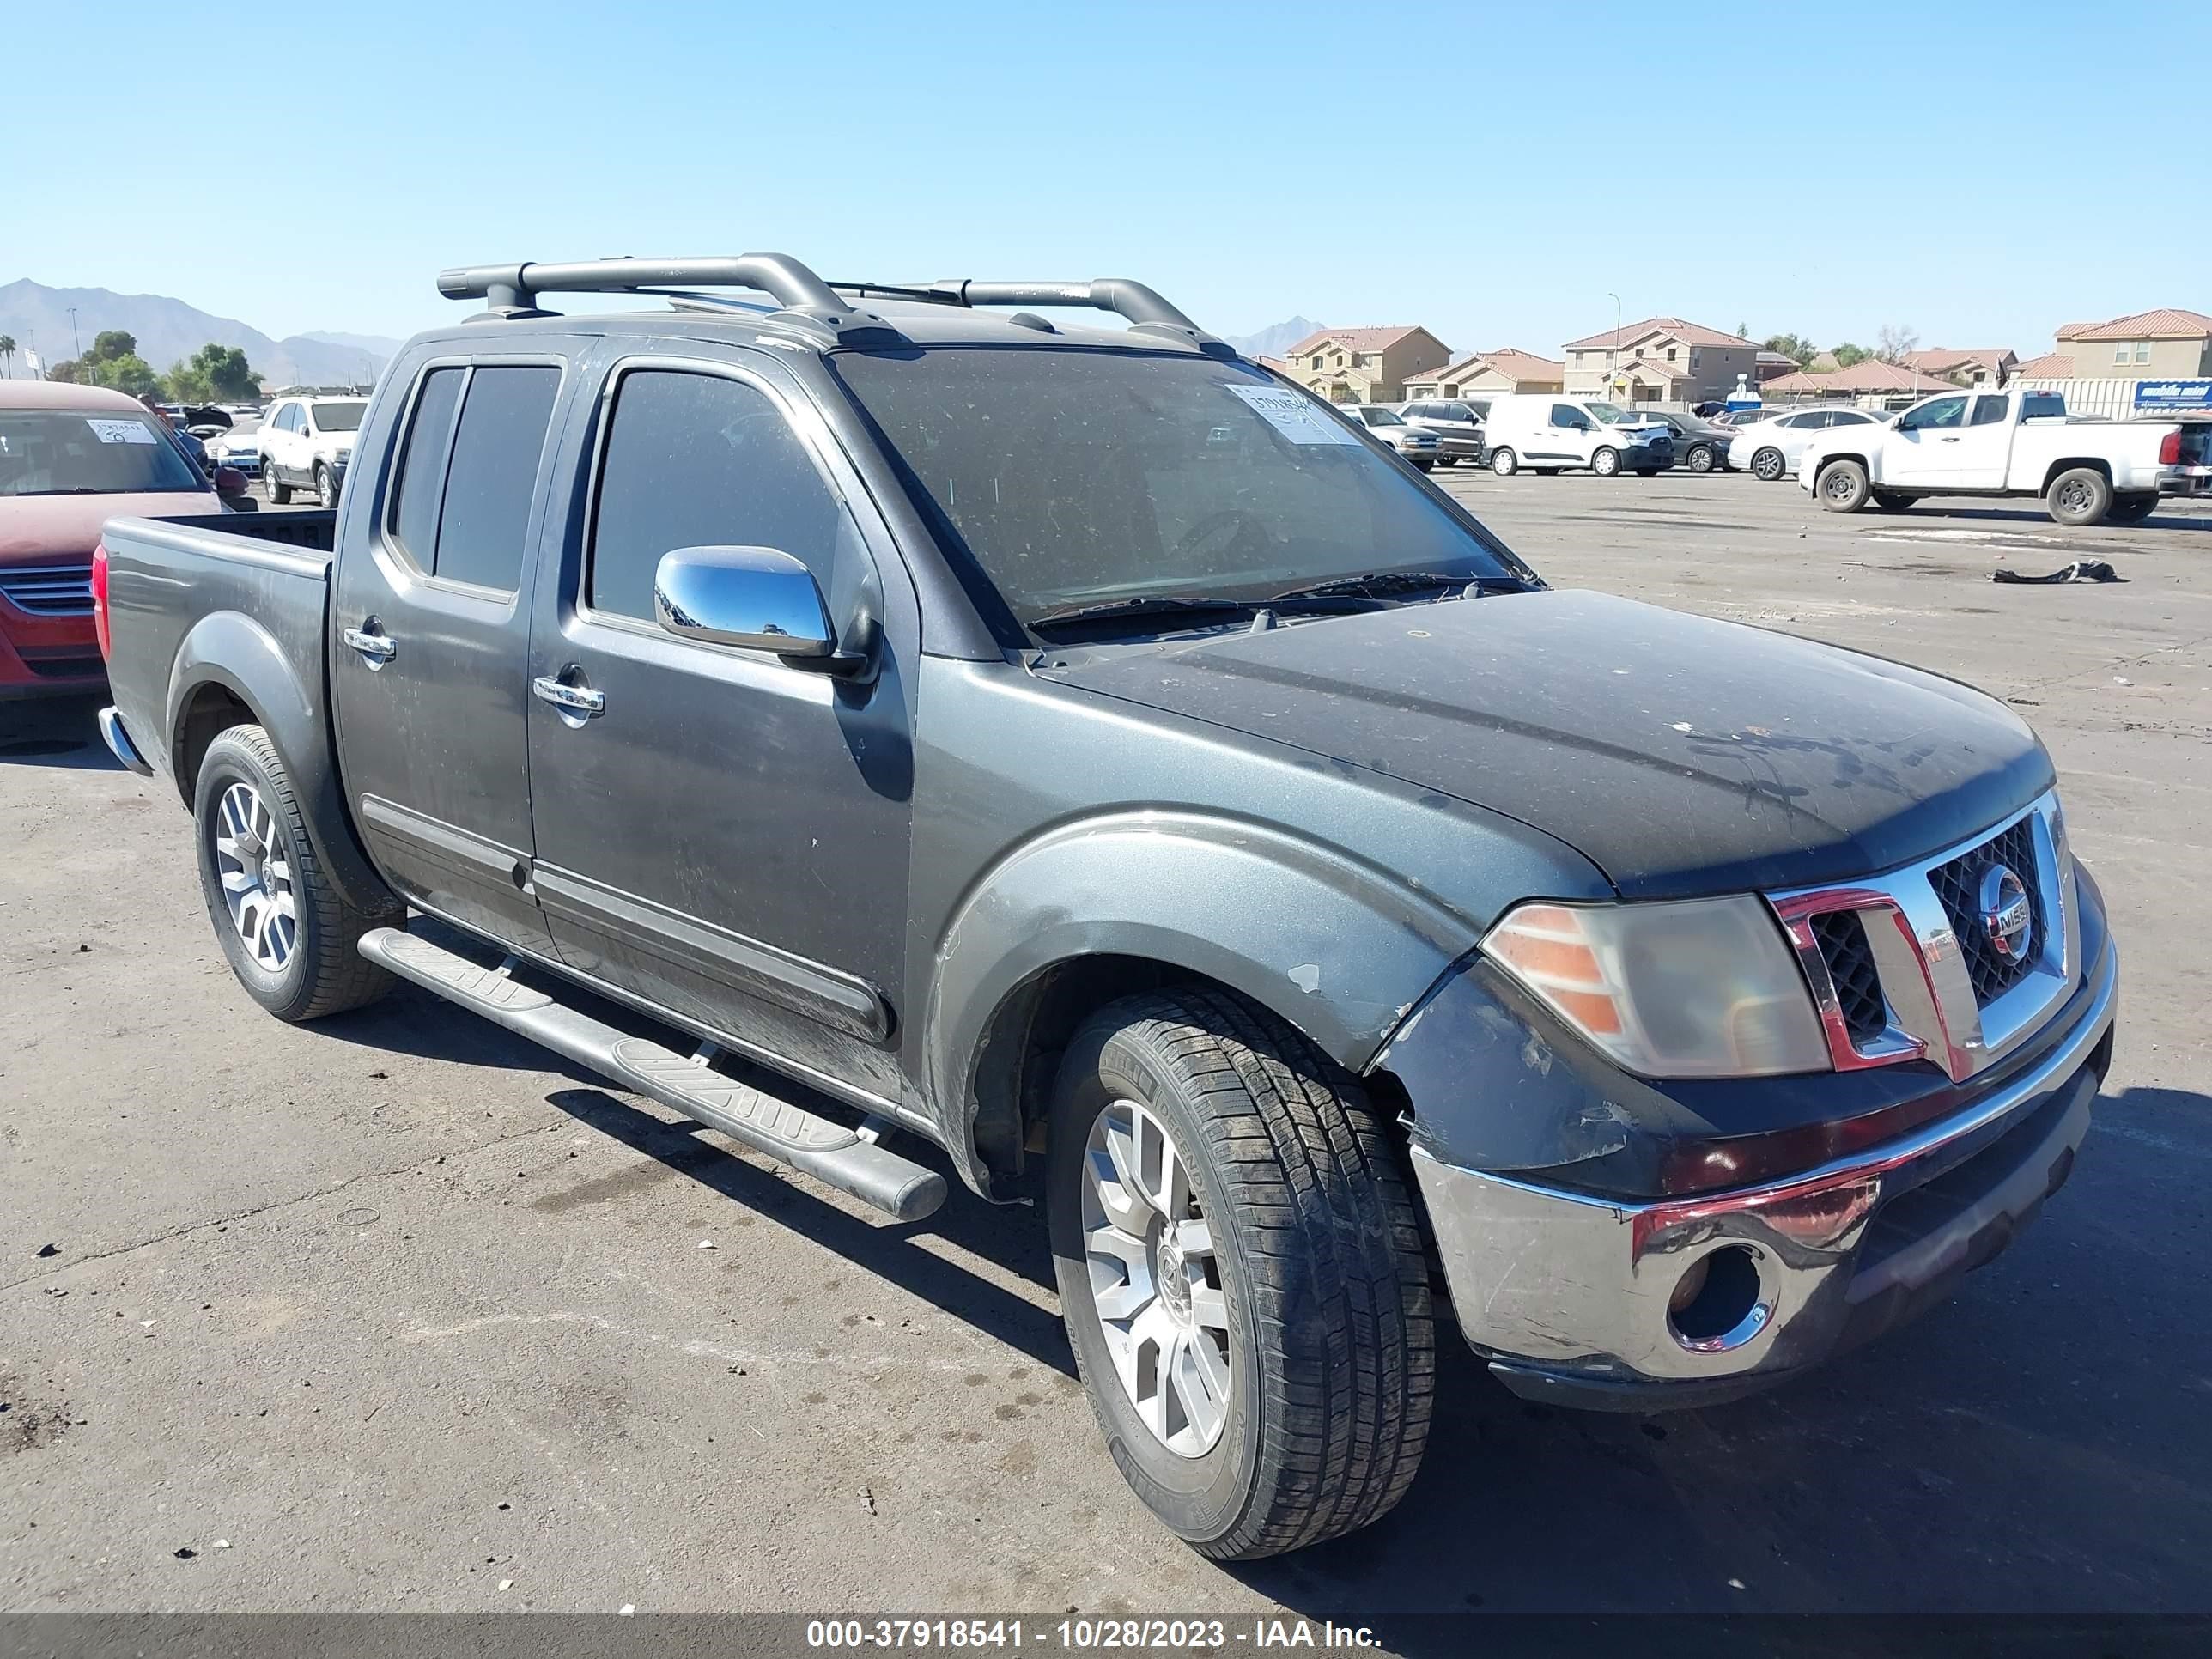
[755, 597]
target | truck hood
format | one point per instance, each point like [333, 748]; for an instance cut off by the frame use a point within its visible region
[44, 529]
[1681, 755]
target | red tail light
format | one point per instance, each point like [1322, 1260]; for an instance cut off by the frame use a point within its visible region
[2169, 451]
[99, 598]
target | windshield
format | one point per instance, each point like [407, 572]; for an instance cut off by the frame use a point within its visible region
[1077, 475]
[1382, 417]
[51, 451]
[338, 417]
[1613, 414]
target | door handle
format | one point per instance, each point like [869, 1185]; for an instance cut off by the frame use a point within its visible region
[1950, 440]
[580, 700]
[376, 647]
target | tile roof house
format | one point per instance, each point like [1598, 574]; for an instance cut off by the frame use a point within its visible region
[1487, 374]
[1659, 359]
[1364, 365]
[1964, 367]
[1872, 384]
[2149, 345]
[2051, 366]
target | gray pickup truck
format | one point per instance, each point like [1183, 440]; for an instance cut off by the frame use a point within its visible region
[872, 716]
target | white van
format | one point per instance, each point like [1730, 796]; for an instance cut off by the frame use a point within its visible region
[1550, 434]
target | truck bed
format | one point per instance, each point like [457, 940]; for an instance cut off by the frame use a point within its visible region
[247, 591]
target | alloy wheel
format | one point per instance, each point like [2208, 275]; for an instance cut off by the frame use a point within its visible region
[1155, 1279]
[256, 868]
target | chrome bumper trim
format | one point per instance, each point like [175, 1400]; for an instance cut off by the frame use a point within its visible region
[119, 744]
[1581, 1283]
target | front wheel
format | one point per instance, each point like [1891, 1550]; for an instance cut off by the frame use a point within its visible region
[1605, 463]
[1505, 462]
[1841, 487]
[1768, 465]
[1701, 458]
[2132, 507]
[289, 935]
[1241, 1273]
[2080, 498]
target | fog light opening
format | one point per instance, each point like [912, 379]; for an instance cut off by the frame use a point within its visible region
[1715, 1303]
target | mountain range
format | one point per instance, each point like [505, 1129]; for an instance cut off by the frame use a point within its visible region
[167, 330]
[1274, 340]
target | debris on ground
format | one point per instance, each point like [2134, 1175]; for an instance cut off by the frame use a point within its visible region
[868, 1499]
[49, 1249]
[223, 1543]
[708, 1244]
[185, 1554]
[2081, 570]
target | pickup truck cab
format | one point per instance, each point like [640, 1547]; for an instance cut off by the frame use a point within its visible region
[913, 739]
[2018, 442]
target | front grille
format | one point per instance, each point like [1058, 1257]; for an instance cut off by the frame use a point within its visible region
[49, 590]
[1843, 941]
[1958, 889]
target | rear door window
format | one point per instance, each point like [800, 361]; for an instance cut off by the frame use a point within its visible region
[468, 473]
[422, 483]
[1988, 411]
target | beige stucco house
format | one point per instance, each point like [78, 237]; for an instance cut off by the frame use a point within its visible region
[1364, 365]
[1964, 368]
[2150, 345]
[1661, 360]
[1487, 374]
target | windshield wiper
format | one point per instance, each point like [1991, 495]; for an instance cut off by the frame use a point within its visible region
[1377, 583]
[1143, 604]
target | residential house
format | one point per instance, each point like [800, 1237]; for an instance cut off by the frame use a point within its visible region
[1364, 365]
[2150, 345]
[1773, 364]
[2051, 366]
[1661, 360]
[1488, 373]
[1872, 384]
[1964, 367]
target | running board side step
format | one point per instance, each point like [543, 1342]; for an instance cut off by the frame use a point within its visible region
[848, 1159]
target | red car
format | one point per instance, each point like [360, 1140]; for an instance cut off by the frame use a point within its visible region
[71, 457]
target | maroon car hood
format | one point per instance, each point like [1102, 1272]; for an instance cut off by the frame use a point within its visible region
[62, 529]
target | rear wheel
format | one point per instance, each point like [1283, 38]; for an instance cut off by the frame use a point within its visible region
[1241, 1274]
[290, 937]
[1606, 462]
[1768, 465]
[326, 487]
[280, 493]
[2080, 497]
[1505, 462]
[2133, 508]
[1841, 487]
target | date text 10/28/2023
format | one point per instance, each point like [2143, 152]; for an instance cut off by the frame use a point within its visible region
[1089, 1635]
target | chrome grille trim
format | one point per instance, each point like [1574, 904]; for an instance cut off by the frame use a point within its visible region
[52, 590]
[1924, 970]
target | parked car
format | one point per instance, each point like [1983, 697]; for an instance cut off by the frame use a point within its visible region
[241, 450]
[1420, 447]
[1700, 444]
[1548, 433]
[70, 457]
[2010, 443]
[1771, 448]
[307, 443]
[1458, 426]
[1101, 764]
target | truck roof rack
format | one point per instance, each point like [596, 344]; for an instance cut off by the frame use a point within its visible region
[510, 290]
[806, 301]
[1147, 310]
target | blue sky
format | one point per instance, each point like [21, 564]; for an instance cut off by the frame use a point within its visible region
[1980, 172]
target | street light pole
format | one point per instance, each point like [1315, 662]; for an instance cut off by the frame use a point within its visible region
[74, 338]
[1615, 374]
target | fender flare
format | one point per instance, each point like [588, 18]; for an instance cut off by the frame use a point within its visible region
[1336, 946]
[232, 650]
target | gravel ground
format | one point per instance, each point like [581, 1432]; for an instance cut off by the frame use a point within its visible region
[392, 1313]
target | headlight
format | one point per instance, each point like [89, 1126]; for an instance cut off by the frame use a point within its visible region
[1705, 988]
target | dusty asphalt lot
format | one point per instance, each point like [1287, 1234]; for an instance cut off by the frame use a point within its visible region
[399, 1312]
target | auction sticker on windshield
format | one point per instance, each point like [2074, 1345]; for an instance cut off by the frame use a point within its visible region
[121, 432]
[1292, 415]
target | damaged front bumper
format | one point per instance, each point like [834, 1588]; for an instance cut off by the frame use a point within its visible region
[1640, 1304]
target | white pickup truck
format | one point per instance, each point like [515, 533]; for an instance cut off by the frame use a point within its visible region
[1998, 442]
